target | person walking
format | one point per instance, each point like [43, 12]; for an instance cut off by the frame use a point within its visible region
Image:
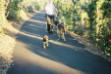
[50, 11]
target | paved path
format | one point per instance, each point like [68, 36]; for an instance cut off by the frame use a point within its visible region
[60, 58]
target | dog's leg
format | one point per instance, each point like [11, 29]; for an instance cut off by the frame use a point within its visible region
[44, 46]
[47, 44]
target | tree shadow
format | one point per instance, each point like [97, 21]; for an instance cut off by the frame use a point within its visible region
[59, 51]
[37, 26]
[79, 59]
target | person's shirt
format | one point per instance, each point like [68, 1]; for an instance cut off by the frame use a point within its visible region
[50, 9]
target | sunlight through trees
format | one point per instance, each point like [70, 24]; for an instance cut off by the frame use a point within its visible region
[90, 19]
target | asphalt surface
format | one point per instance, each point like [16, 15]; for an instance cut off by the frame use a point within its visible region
[59, 58]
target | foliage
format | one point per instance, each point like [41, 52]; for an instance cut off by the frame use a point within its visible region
[2, 14]
[89, 18]
[13, 9]
[37, 7]
[64, 10]
[104, 31]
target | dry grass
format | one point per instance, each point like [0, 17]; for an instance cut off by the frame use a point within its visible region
[6, 51]
[7, 43]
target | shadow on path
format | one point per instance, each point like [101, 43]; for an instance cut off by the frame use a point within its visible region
[70, 53]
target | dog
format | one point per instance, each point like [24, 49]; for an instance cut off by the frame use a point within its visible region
[61, 31]
[45, 41]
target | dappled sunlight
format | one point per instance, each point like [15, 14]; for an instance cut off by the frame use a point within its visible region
[6, 46]
[32, 36]
[86, 27]
[24, 55]
[51, 41]
[10, 28]
[7, 43]
[64, 44]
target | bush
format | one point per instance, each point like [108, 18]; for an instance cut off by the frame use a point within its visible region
[13, 9]
[37, 7]
[95, 23]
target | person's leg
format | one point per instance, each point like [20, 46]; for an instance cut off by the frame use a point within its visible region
[49, 24]
[48, 28]
[53, 26]
[52, 22]
[47, 17]
[47, 44]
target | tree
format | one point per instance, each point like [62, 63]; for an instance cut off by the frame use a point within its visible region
[2, 14]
